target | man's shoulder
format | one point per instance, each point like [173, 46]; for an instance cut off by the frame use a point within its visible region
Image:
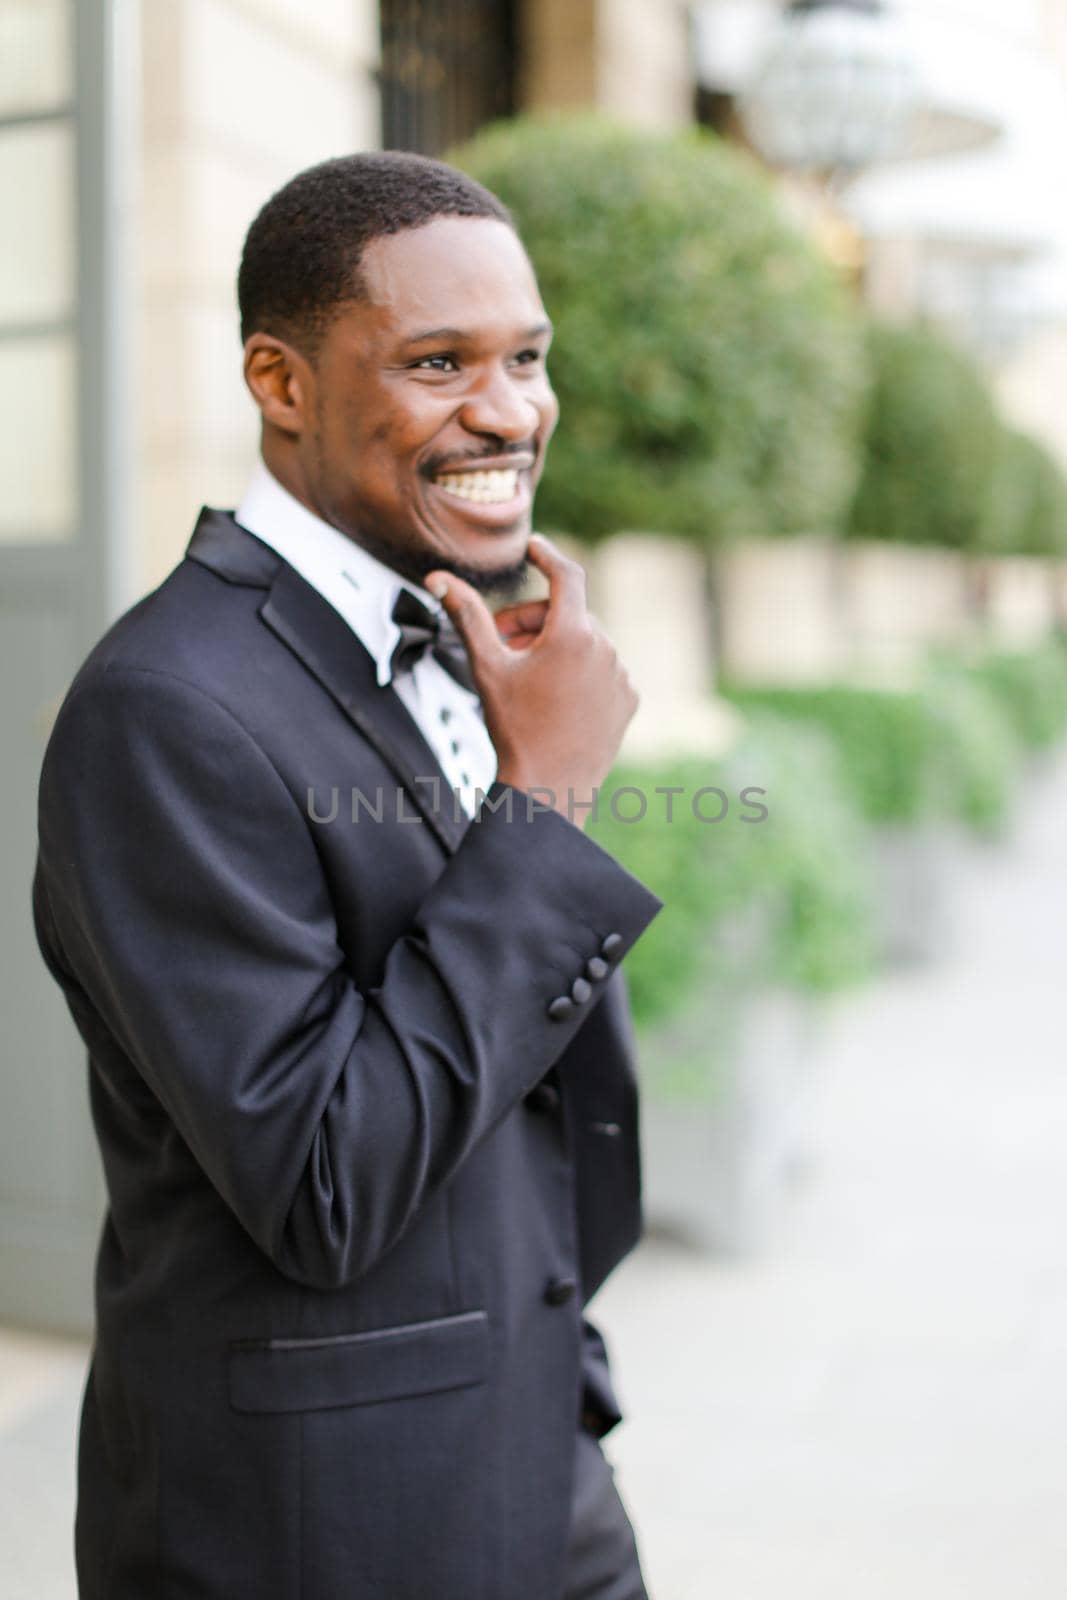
[197, 627]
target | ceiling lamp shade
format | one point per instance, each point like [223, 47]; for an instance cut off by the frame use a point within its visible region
[835, 89]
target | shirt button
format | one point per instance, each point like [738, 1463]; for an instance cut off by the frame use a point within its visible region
[611, 945]
[596, 969]
[561, 1008]
[580, 991]
[559, 1290]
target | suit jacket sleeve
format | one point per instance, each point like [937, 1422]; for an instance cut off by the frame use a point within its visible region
[180, 900]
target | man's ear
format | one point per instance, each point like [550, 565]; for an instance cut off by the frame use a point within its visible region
[280, 380]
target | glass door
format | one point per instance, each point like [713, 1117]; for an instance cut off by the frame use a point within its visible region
[56, 435]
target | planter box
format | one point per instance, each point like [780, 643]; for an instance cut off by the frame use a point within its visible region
[722, 1129]
[918, 873]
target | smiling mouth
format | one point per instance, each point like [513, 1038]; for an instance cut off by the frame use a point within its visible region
[495, 487]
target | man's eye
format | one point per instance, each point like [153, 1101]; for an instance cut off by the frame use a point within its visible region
[527, 356]
[427, 362]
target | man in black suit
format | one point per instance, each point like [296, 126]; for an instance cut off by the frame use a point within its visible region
[360, 1056]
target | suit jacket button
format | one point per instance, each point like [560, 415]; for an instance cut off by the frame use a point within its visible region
[561, 1007]
[611, 944]
[596, 969]
[542, 1097]
[580, 991]
[559, 1290]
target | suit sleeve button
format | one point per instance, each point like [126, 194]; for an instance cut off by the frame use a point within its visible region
[559, 1290]
[561, 1007]
[580, 991]
[611, 944]
[596, 968]
[542, 1097]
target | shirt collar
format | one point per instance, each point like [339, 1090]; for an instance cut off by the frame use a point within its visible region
[360, 588]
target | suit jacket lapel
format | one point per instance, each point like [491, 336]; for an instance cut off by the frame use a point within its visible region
[310, 627]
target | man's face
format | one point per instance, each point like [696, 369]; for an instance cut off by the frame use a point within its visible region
[432, 409]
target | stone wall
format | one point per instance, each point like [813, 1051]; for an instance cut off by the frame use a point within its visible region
[236, 96]
[629, 58]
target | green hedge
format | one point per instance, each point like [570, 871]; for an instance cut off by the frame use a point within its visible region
[977, 746]
[703, 872]
[709, 365]
[930, 444]
[1028, 512]
[1030, 687]
[783, 899]
[886, 742]
[814, 852]
[938, 750]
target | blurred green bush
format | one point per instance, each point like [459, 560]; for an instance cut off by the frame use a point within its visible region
[703, 872]
[814, 853]
[1028, 510]
[929, 446]
[937, 750]
[709, 364]
[1029, 687]
[800, 870]
[884, 739]
[787, 899]
[978, 747]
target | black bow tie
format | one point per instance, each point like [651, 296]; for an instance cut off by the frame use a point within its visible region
[422, 629]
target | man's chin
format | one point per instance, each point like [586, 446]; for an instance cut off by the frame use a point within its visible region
[415, 562]
[503, 582]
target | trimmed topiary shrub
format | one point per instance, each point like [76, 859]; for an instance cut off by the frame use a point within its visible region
[929, 448]
[709, 365]
[1028, 513]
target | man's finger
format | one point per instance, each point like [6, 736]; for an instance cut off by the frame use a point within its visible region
[566, 582]
[469, 614]
[528, 617]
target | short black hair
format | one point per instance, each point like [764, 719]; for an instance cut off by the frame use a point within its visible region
[300, 262]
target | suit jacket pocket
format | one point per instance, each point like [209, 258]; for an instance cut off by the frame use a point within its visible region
[354, 1369]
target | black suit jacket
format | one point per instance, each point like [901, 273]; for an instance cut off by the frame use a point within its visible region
[361, 1183]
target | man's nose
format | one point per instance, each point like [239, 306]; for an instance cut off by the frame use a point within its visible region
[499, 406]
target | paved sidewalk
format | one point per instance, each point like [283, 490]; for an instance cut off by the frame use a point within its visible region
[877, 1410]
[40, 1391]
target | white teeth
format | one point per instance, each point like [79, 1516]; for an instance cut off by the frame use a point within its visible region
[486, 488]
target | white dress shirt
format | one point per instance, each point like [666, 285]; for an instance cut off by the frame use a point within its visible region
[363, 591]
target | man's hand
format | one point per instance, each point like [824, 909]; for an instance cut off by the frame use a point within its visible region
[519, 625]
[556, 697]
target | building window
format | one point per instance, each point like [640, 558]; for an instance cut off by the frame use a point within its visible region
[38, 275]
[447, 68]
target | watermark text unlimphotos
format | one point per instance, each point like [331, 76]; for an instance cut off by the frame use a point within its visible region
[627, 804]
